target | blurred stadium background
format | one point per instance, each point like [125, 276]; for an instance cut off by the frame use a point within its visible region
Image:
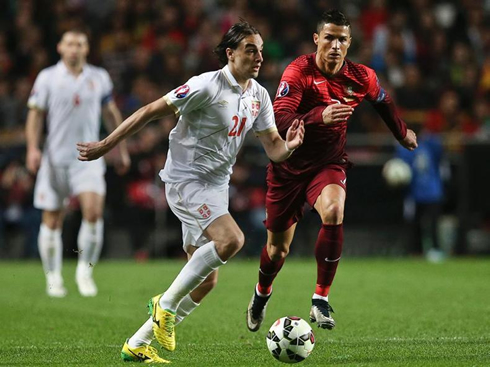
[432, 56]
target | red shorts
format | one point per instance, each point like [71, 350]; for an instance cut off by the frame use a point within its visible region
[285, 198]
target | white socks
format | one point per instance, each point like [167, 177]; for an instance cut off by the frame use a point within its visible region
[50, 250]
[317, 296]
[144, 335]
[261, 294]
[186, 306]
[90, 240]
[177, 297]
[202, 263]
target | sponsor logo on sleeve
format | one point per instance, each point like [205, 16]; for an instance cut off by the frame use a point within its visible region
[182, 91]
[283, 89]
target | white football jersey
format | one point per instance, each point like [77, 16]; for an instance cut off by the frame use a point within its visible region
[215, 115]
[73, 105]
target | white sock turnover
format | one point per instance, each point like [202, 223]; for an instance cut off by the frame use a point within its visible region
[202, 263]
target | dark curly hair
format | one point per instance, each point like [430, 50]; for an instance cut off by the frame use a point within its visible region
[232, 39]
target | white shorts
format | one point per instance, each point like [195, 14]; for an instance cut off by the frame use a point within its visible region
[55, 184]
[197, 205]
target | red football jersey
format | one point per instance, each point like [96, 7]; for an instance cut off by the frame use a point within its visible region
[304, 92]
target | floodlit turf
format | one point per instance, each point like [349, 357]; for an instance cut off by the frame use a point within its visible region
[389, 312]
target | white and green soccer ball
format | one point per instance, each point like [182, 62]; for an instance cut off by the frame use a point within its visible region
[290, 339]
[397, 173]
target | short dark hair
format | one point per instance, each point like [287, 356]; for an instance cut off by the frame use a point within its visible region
[76, 31]
[332, 16]
[232, 39]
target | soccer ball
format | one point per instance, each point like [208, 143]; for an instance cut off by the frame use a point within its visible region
[397, 173]
[290, 339]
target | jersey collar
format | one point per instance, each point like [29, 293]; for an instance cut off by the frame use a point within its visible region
[229, 77]
[341, 71]
[61, 65]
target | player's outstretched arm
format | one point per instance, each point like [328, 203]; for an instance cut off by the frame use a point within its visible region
[409, 141]
[278, 149]
[93, 150]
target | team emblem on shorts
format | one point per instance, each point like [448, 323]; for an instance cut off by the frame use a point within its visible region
[204, 211]
[255, 108]
[182, 91]
[283, 89]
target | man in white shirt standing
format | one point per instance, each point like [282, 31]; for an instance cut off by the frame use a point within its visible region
[72, 95]
[216, 111]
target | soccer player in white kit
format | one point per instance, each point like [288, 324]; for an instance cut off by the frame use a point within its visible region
[216, 111]
[73, 95]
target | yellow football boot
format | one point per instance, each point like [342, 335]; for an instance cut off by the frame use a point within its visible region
[143, 354]
[163, 324]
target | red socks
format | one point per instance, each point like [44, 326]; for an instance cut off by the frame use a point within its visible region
[268, 271]
[328, 249]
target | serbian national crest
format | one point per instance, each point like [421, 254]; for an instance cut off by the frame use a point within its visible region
[255, 108]
[204, 211]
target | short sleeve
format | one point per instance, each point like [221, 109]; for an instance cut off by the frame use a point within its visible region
[195, 94]
[265, 122]
[107, 87]
[40, 92]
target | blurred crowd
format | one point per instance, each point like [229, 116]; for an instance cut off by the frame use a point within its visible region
[432, 56]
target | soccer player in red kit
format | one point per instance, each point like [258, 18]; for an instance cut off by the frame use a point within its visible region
[322, 89]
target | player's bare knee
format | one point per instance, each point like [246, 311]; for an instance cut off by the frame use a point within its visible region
[230, 245]
[333, 214]
[52, 220]
[278, 256]
[236, 241]
[277, 253]
[92, 216]
[51, 223]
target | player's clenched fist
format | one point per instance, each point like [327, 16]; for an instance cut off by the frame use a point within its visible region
[336, 113]
[33, 160]
[410, 140]
[91, 151]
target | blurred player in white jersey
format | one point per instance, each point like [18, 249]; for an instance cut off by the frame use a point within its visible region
[216, 111]
[72, 95]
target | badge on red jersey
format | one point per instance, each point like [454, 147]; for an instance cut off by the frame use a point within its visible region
[182, 91]
[349, 90]
[283, 89]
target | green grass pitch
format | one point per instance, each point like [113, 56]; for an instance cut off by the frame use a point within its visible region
[389, 312]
